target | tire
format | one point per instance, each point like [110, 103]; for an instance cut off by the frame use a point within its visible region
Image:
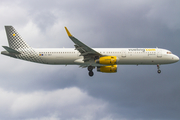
[90, 68]
[91, 73]
[159, 71]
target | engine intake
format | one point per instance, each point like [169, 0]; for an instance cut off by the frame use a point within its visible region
[107, 60]
[107, 69]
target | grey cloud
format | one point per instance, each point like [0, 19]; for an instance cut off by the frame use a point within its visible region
[132, 93]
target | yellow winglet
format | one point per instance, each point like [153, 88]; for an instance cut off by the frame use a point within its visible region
[69, 34]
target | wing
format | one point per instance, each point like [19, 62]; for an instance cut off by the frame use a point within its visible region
[85, 51]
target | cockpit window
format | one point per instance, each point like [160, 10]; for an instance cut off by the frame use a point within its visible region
[169, 52]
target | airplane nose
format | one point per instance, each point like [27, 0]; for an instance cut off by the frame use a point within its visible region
[176, 58]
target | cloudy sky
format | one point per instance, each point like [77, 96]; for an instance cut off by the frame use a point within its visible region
[31, 91]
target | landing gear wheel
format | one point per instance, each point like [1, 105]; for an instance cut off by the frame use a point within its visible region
[158, 67]
[91, 73]
[90, 68]
[159, 71]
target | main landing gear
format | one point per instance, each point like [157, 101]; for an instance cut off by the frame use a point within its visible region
[90, 69]
[158, 67]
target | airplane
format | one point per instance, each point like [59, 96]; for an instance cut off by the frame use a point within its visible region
[104, 59]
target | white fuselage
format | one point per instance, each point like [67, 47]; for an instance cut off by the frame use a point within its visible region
[65, 56]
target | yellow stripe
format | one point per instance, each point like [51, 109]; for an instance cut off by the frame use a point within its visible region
[69, 34]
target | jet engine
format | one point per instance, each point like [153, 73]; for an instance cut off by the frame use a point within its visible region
[107, 60]
[107, 69]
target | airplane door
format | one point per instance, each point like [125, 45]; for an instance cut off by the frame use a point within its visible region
[159, 53]
[123, 54]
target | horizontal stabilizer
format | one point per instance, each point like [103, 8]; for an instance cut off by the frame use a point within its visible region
[10, 50]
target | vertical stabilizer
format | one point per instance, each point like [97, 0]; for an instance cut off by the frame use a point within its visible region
[18, 48]
[14, 39]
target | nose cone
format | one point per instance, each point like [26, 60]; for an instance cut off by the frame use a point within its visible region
[176, 58]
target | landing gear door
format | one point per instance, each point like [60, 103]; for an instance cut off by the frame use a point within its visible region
[159, 53]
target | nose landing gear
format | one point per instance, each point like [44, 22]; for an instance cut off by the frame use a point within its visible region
[158, 67]
[90, 69]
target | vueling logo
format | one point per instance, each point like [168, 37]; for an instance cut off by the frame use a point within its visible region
[137, 49]
[150, 49]
[141, 49]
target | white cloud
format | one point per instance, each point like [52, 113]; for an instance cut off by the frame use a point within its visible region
[69, 103]
[11, 13]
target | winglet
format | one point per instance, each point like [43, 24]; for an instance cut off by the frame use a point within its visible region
[69, 34]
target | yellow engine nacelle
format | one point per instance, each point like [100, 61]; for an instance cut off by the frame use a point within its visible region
[107, 60]
[107, 69]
